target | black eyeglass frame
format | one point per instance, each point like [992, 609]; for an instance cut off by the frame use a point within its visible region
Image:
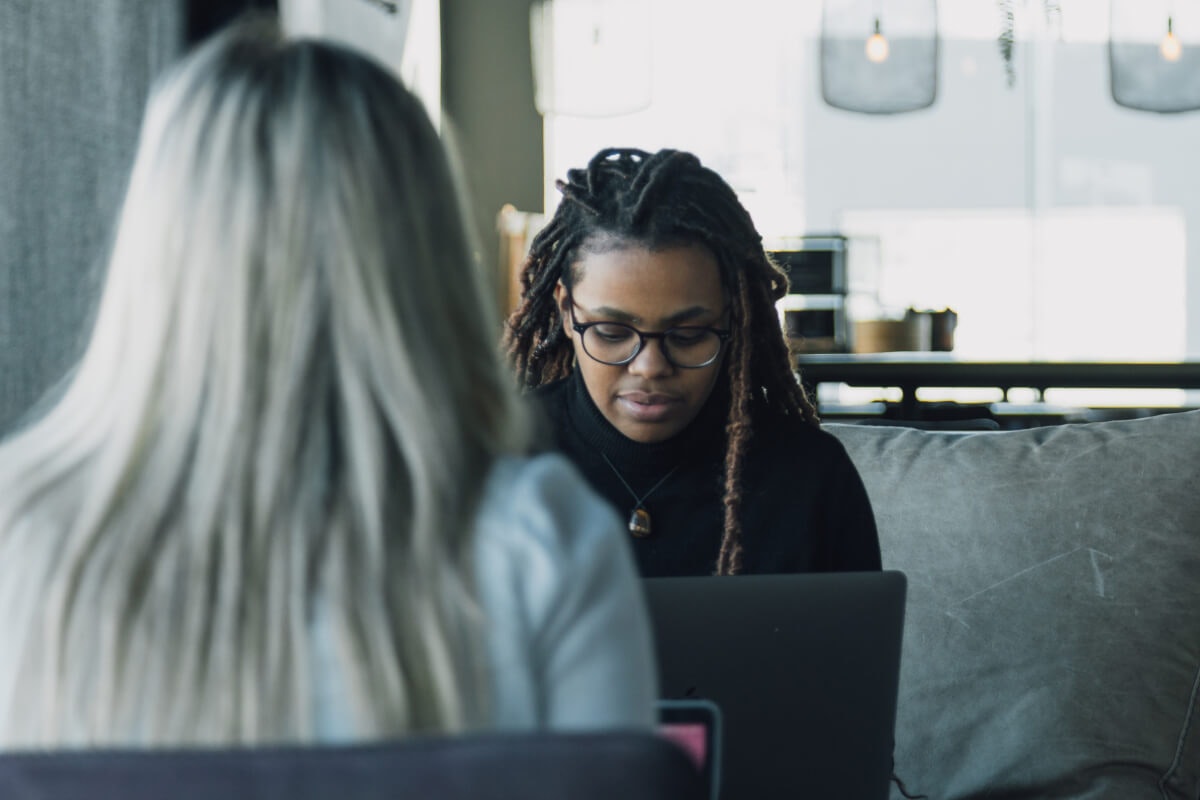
[581, 328]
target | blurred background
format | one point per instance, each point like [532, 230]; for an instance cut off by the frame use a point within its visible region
[1021, 172]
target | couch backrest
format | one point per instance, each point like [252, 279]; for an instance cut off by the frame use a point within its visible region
[1052, 643]
[73, 81]
[525, 766]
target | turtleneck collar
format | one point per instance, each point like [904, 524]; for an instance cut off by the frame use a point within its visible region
[703, 434]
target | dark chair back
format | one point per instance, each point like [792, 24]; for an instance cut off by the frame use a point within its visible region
[525, 766]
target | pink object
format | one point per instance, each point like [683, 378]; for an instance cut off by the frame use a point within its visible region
[691, 736]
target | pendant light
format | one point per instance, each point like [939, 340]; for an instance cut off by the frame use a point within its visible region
[877, 48]
[1152, 53]
[1170, 48]
[879, 56]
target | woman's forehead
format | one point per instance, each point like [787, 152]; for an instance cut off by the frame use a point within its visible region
[636, 282]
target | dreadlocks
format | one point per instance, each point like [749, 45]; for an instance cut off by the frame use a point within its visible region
[659, 200]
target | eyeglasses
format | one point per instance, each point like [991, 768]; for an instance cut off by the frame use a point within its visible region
[615, 343]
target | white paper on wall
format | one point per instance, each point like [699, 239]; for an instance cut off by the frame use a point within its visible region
[404, 35]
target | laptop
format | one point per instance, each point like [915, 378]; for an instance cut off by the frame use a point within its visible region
[804, 670]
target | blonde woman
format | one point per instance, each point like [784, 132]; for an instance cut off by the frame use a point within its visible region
[284, 496]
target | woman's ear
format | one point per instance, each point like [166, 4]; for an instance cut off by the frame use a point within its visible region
[563, 300]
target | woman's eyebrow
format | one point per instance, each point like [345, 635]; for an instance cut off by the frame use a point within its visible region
[617, 315]
[688, 314]
[614, 314]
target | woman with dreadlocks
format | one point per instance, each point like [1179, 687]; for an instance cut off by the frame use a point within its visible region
[648, 332]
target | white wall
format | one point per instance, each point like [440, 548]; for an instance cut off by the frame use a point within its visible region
[1061, 184]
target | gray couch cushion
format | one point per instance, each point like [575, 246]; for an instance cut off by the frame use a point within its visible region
[1052, 643]
[73, 81]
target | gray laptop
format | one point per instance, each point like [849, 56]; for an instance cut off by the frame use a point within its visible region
[804, 669]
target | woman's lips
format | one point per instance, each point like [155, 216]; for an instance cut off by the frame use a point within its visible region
[647, 406]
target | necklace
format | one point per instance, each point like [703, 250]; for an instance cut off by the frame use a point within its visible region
[639, 518]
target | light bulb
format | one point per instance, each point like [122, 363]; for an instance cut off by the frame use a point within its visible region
[877, 46]
[1170, 47]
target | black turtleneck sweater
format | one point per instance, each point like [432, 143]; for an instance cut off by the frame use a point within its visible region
[804, 508]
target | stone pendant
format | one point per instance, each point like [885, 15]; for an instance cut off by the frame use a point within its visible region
[639, 523]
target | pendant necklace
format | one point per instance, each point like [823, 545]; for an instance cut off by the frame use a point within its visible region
[639, 519]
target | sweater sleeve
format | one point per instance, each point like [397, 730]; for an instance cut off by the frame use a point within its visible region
[590, 642]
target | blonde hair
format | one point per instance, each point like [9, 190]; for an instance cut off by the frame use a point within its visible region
[291, 399]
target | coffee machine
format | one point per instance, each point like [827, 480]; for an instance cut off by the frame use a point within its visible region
[813, 313]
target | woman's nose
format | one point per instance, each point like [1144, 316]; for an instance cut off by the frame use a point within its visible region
[651, 360]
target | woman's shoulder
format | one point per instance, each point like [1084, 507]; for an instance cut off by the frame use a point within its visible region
[553, 393]
[536, 475]
[541, 503]
[547, 547]
[788, 448]
[549, 402]
[775, 431]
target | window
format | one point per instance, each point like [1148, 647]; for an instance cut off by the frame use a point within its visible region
[1055, 222]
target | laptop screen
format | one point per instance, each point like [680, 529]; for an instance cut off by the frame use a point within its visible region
[804, 669]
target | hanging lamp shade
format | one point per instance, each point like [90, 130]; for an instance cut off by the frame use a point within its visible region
[591, 58]
[879, 56]
[1154, 54]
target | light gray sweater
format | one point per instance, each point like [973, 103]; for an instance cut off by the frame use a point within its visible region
[568, 639]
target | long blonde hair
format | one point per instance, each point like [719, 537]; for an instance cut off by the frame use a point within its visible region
[291, 398]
